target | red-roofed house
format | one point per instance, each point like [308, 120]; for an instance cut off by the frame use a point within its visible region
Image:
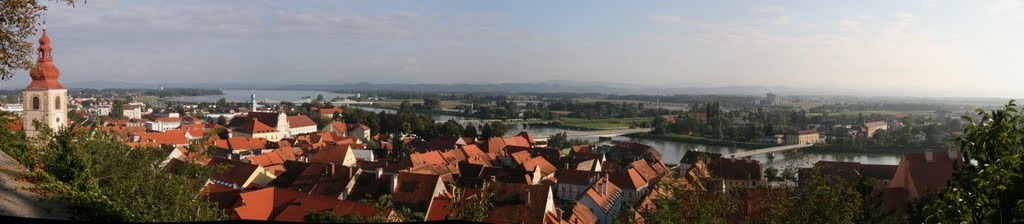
[239, 174]
[328, 112]
[921, 174]
[300, 124]
[336, 154]
[604, 200]
[356, 130]
[254, 128]
[869, 129]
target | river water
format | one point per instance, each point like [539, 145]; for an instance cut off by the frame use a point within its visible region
[273, 96]
[673, 151]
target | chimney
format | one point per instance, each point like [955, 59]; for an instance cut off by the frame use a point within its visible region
[604, 186]
[331, 169]
[527, 196]
[394, 183]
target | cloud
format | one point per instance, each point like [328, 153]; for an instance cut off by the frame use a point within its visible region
[771, 9]
[1004, 6]
[782, 20]
[852, 24]
[898, 29]
[666, 19]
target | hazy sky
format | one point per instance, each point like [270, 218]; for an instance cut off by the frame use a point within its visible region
[970, 48]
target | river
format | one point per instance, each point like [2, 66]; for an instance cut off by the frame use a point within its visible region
[273, 96]
[672, 151]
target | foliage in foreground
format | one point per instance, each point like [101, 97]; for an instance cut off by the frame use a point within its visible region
[103, 179]
[989, 188]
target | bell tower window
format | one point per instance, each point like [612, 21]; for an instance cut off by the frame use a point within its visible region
[56, 103]
[35, 103]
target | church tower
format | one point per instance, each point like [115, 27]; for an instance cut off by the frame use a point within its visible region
[45, 98]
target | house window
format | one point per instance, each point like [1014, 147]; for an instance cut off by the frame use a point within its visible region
[56, 104]
[35, 103]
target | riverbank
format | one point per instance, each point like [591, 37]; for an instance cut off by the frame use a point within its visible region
[870, 149]
[700, 140]
[812, 149]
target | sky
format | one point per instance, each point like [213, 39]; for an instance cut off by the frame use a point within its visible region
[917, 47]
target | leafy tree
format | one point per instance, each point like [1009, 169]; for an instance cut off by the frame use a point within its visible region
[223, 121]
[117, 109]
[451, 128]
[327, 216]
[470, 207]
[990, 186]
[470, 131]
[558, 141]
[771, 172]
[103, 179]
[19, 19]
[873, 206]
[432, 103]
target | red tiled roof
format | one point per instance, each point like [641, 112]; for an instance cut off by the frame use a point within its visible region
[240, 143]
[164, 138]
[16, 125]
[438, 210]
[264, 204]
[574, 177]
[431, 158]
[518, 203]
[630, 179]
[197, 126]
[331, 154]
[330, 111]
[603, 197]
[300, 121]
[925, 172]
[545, 166]
[314, 178]
[581, 215]
[276, 157]
[520, 157]
[644, 170]
[222, 195]
[168, 119]
[255, 126]
[238, 172]
[736, 169]
[875, 124]
[415, 191]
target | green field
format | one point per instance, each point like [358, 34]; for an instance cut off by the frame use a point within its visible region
[615, 123]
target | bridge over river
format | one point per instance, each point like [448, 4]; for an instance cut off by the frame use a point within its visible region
[597, 133]
[770, 151]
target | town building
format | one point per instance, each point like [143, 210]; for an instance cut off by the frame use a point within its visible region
[771, 99]
[45, 98]
[132, 111]
[868, 129]
[803, 137]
